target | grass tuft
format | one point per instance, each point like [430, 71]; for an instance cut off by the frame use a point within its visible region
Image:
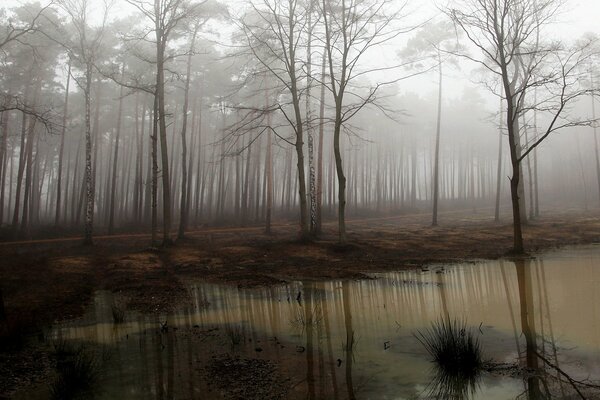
[77, 372]
[456, 353]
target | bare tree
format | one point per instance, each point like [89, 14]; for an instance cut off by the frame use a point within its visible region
[83, 50]
[275, 36]
[352, 28]
[506, 35]
[165, 16]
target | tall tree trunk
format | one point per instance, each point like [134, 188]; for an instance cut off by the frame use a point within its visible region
[115, 163]
[436, 168]
[160, 93]
[149, 168]
[513, 132]
[246, 190]
[29, 163]
[20, 170]
[340, 175]
[320, 151]
[183, 211]
[4, 157]
[536, 204]
[62, 148]
[96, 138]
[413, 172]
[89, 180]
[154, 202]
[199, 195]
[499, 168]
[139, 145]
[269, 171]
[194, 138]
[220, 205]
[74, 183]
[299, 145]
[309, 131]
[530, 174]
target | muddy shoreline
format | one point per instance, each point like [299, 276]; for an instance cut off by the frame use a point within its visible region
[47, 282]
[54, 281]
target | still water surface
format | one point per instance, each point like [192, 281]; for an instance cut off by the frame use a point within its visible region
[355, 339]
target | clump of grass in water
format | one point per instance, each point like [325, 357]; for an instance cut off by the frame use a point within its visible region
[456, 353]
[77, 372]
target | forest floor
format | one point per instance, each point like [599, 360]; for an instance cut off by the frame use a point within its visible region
[47, 281]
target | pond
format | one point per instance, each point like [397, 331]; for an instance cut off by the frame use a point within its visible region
[537, 320]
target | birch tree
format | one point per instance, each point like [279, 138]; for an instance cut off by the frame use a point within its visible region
[83, 50]
[275, 36]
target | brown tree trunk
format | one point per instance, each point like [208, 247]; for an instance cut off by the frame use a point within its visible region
[269, 171]
[183, 207]
[29, 164]
[518, 247]
[115, 163]
[192, 160]
[154, 202]
[436, 168]
[162, 124]
[246, 189]
[200, 179]
[62, 149]
[20, 170]
[530, 175]
[139, 145]
[340, 175]
[499, 167]
[320, 150]
[4, 157]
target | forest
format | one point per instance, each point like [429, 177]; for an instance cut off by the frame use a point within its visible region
[211, 177]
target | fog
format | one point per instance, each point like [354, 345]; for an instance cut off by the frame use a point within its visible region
[114, 122]
[332, 199]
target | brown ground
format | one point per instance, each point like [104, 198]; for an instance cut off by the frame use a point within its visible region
[44, 281]
[49, 280]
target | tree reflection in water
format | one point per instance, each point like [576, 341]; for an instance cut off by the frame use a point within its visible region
[542, 375]
[534, 380]
[451, 383]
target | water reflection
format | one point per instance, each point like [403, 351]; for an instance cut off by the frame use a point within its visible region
[535, 374]
[353, 339]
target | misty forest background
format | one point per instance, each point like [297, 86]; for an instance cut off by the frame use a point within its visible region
[164, 116]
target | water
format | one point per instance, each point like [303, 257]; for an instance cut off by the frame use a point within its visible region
[355, 339]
